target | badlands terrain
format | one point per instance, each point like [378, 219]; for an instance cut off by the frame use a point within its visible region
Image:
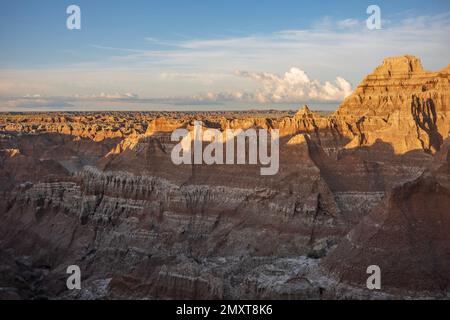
[366, 185]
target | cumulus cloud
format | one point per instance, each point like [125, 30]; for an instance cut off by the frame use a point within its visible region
[293, 86]
[296, 86]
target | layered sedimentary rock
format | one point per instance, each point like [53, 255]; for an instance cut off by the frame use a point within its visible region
[100, 190]
[406, 236]
[402, 104]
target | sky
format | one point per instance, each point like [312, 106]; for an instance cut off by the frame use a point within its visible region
[198, 54]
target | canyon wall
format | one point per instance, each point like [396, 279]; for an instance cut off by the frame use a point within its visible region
[368, 184]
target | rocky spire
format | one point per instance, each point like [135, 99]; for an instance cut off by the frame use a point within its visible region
[304, 112]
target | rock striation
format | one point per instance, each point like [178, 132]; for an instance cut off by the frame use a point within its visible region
[401, 104]
[368, 184]
[406, 236]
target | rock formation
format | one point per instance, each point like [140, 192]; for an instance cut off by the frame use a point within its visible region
[401, 104]
[368, 184]
[406, 236]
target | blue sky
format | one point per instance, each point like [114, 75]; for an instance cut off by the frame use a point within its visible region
[205, 52]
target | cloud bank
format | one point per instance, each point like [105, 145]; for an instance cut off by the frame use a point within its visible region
[294, 86]
[33, 103]
[43, 102]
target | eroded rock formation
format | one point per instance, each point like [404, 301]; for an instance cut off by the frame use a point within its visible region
[368, 184]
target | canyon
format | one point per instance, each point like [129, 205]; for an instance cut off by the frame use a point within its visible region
[366, 185]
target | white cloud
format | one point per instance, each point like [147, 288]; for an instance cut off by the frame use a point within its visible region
[184, 67]
[33, 103]
[293, 87]
[349, 23]
[333, 47]
[43, 102]
[203, 78]
[296, 86]
[116, 95]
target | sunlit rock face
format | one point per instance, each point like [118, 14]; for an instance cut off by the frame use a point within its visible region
[401, 104]
[100, 190]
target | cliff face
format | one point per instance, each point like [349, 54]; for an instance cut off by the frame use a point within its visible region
[392, 86]
[406, 235]
[99, 190]
[401, 104]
